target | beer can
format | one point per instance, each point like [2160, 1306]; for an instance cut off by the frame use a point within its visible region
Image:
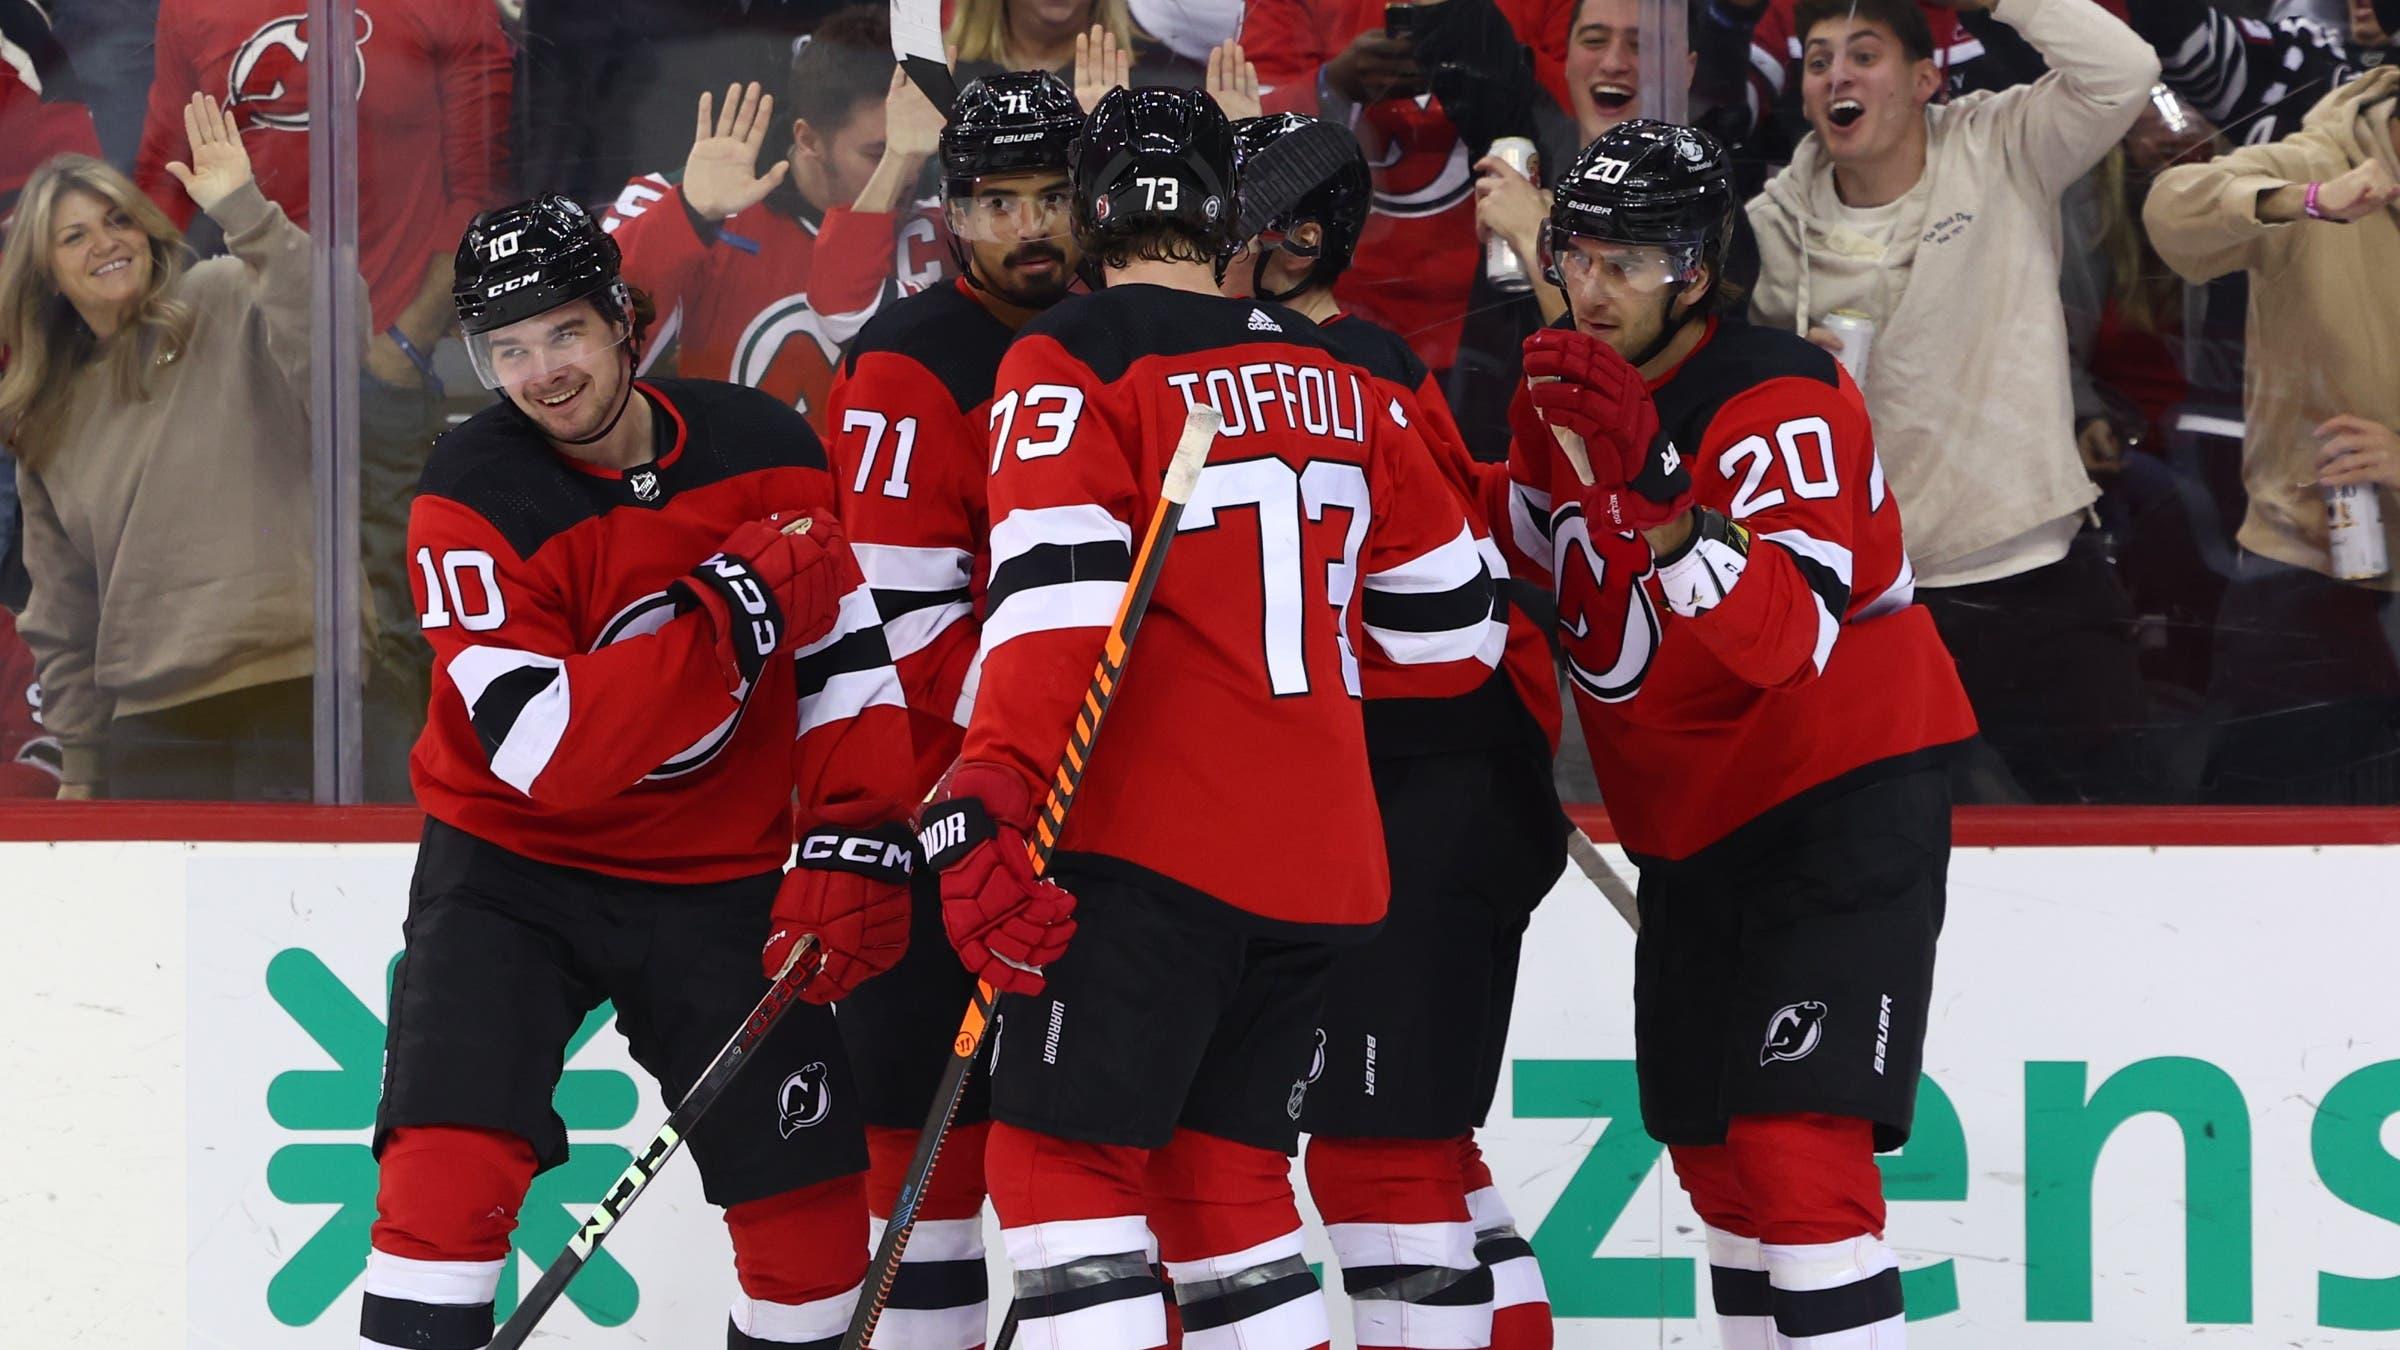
[2354, 532]
[1501, 265]
[1857, 333]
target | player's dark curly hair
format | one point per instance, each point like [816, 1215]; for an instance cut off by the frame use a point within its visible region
[1166, 241]
[643, 313]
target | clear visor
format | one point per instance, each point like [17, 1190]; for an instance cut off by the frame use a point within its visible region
[1006, 216]
[573, 334]
[1577, 262]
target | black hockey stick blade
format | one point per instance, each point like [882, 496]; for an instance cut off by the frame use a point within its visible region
[1200, 427]
[782, 992]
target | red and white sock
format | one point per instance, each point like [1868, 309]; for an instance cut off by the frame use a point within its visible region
[446, 1202]
[1812, 1188]
[1071, 1214]
[1520, 1301]
[939, 1294]
[1229, 1231]
[1395, 1211]
[802, 1261]
[1737, 1270]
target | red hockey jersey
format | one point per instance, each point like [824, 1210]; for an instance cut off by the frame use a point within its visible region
[576, 718]
[1818, 662]
[768, 296]
[910, 409]
[1417, 260]
[1234, 764]
[433, 87]
[1403, 714]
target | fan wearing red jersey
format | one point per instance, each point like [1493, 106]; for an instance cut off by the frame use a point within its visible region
[1768, 712]
[1414, 1023]
[910, 409]
[1224, 843]
[761, 278]
[656, 669]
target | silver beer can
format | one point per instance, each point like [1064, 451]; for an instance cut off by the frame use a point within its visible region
[2354, 532]
[1857, 333]
[1501, 265]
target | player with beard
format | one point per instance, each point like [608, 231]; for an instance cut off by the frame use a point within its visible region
[910, 408]
[1471, 830]
[650, 682]
[1768, 713]
[1149, 1073]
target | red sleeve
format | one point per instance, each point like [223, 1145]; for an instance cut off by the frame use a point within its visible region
[851, 761]
[1792, 461]
[172, 81]
[1289, 41]
[562, 726]
[654, 230]
[476, 78]
[856, 252]
[1425, 598]
[1542, 25]
[1063, 505]
[1521, 523]
[1770, 60]
[908, 472]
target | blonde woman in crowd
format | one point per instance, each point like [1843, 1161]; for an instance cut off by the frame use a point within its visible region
[988, 36]
[159, 413]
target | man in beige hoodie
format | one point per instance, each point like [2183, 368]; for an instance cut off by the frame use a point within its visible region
[1940, 225]
[2304, 673]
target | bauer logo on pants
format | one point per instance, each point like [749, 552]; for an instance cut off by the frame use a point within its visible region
[1792, 1032]
[803, 1100]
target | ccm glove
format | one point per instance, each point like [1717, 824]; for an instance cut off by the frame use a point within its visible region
[1580, 383]
[851, 889]
[1006, 923]
[764, 591]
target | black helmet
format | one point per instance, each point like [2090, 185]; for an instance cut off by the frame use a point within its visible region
[1008, 123]
[518, 261]
[1647, 182]
[1147, 156]
[1293, 169]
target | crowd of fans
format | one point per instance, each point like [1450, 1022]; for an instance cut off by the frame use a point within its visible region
[2120, 280]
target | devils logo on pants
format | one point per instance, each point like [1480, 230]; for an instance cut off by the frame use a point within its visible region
[803, 1100]
[267, 80]
[1792, 1032]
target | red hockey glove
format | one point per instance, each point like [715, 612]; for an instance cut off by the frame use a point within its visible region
[1006, 923]
[764, 591]
[1580, 383]
[851, 890]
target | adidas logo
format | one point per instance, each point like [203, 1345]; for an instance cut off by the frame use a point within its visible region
[1260, 323]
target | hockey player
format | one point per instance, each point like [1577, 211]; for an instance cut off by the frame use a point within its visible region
[910, 410]
[1156, 1067]
[1472, 832]
[1767, 711]
[762, 277]
[637, 667]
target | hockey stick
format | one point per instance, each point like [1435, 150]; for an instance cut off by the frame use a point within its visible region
[1183, 471]
[782, 992]
[1596, 868]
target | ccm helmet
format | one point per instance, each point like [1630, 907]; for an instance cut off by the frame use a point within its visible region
[519, 261]
[1155, 156]
[1295, 169]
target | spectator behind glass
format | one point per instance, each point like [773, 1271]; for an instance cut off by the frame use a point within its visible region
[2305, 673]
[989, 36]
[433, 94]
[1940, 225]
[1420, 262]
[760, 278]
[160, 415]
[1603, 73]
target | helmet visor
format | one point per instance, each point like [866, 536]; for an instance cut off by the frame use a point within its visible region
[1576, 262]
[572, 334]
[997, 213]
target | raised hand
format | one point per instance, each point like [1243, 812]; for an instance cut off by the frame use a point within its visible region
[2359, 193]
[912, 125]
[720, 176]
[1100, 65]
[1233, 81]
[219, 163]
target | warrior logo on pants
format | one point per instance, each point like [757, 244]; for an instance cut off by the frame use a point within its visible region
[804, 1099]
[1792, 1032]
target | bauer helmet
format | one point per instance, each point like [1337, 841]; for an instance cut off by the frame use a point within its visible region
[1012, 122]
[1152, 156]
[519, 261]
[1295, 169]
[1662, 194]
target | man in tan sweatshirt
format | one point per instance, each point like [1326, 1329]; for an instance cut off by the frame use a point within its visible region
[1939, 223]
[2304, 671]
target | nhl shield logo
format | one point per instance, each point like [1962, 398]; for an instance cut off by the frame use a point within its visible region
[1793, 1032]
[805, 1099]
[644, 483]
